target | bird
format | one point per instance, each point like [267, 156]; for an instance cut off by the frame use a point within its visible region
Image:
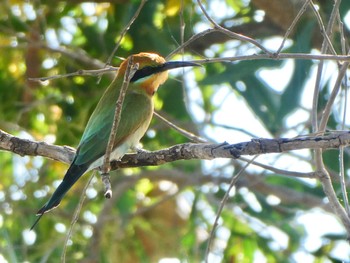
[135, 117]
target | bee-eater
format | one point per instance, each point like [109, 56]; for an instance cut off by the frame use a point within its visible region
[136, 115]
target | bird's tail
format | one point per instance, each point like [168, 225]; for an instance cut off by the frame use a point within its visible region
[72, 175]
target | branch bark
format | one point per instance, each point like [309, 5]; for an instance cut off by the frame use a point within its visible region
[186, 151]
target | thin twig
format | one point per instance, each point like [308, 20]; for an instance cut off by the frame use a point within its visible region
[75, 217]
[342, 35]
[322, 172]
[182, 25]
[291, 27]
[77, 55]
[328, 189]
[229, 127]
[80, 72]
[324, 32]
[342, 181]
[280, 171]
[185, 133]
[317, 88]
[328, 108]
[192, 39]
[230, 33]
[183, 86]
[341, 149]
[125, 30]
[222, 204]
[129, 73]
[302, 56]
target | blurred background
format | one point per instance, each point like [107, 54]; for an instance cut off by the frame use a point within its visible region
[165, 214]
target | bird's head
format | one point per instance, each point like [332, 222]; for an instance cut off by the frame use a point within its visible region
[152, 70]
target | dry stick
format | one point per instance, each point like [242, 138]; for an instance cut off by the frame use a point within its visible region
[330, 102]
[75, 218]
[325, 32]
[192, 39]
[125, 30]
[323, 174]
[274, 56]
[304, 56]
[223, 201]
[296, 19]
[341, 149]
[129, 73]
[76, 54]
[80, 72]
[317, 88]
[230, 33]
[185, 133]
[342, 35]
[342, 180]
[186, 151]
[182, 50]
[289, 30]
[182, 25]
[324, 120]
[280, 171]
[97, 72]
[228, 127]
[325, 179]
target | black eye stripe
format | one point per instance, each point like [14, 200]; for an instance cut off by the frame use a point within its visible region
[150, 70]
[146, 71]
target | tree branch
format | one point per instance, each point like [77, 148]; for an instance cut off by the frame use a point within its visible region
[186, 151]
[25, 147]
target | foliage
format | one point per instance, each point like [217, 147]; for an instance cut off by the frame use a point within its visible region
[166, 211]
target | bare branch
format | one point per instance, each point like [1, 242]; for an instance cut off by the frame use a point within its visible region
[322, 172]
[230, 33]
[183, 132]
[289, 30]
[304, 56]
[222, 204]
[125, 30]
[129, 73]
[81, 72]
[75, 218]
[186, 151]
[24, 147]
[209, 151]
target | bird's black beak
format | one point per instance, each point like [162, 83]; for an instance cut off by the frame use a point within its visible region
[148, 71]
[177, 64]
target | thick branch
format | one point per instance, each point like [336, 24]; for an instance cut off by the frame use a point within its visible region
[208, 151]
[186, 151]
[24, 147]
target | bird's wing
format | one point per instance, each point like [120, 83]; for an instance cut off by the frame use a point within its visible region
[136, 110]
